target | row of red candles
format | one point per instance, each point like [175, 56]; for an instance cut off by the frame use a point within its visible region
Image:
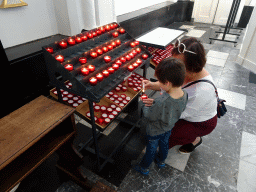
[83, 37]
[98, 52]
[108, 113]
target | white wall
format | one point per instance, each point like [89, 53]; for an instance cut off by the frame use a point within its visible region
[28, 23]
[247, 55]
[124, 6]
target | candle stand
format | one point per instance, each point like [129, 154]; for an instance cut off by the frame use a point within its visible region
[82, 87]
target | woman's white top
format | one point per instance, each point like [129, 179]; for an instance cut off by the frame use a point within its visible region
[202, 102]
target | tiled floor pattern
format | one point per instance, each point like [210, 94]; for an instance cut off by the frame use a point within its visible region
[195, 33]
[226, 159]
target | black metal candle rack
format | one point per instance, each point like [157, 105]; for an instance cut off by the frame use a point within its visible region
[58, 75]
[229, 24]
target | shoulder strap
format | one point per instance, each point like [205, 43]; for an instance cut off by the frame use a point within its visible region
[203, 80]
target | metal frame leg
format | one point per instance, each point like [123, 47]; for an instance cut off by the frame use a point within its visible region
[94, 134]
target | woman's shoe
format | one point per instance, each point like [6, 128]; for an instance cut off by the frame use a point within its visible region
[188, 148]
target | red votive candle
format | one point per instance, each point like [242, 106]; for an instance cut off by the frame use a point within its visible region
[108, 96]
[63, 44]
[111, 70]
[107, 28]
[143, 96]
[115, 66]
[144, 56]
[80, 101]
[114, 113]
[107, 59]
[122, 31]
[78, 39]
[123, 96]
[124, 89]
[109, 110]
[112, 99]
[91, 68]
[134, 52]
[102, 29]
[130, 84]
[139, 88]
[111, 116]
[84, 38]
[111, 93]
[93, 81]
[120, 85]
[118, 109]
[96, 108]
[130, 79]
[85, 71]
[128, 99]
[89, 35]
[107, 120]
[88, 114]
[130, 68]
[117, 102]
[132, 44]
[131, 55]
[69, 67]
[65, 99]
[118, 89]
[49, 49]
[59, 58]
[135, 65]
[110, 47]
[121, 105]
[70, 96]
[94, 34]
[70, 102]
[138, 50]
[115, 34]
[71, 41]
[120, 99]
[139, 61]
[103, 108]
[105, 49]
[118, 42]
[93, 54]
[75, 99]
[99, 76]
[75, 105]
[118, 62]
[105, 73]
[128, 58]
[104, 115]
[113, 106]
[82, 60]
[113, 44]
[125, 102]
[115, 96]
[98, 32]
[135, 89]
[100, 121]
[65, 93]
[136, 42]
[99, 51]
[122, 59]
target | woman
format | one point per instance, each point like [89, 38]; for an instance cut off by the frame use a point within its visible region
[200, 116]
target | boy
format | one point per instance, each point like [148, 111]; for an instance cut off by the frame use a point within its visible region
[163, 113]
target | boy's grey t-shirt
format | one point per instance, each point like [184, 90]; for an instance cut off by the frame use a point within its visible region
[164, 113]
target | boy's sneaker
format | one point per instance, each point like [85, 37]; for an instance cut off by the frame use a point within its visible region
[141, 170]
[160, 164]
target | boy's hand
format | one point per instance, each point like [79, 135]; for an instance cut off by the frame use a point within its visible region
[148, 102]
[148, 84]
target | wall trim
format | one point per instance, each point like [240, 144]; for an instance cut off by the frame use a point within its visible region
[246, 63]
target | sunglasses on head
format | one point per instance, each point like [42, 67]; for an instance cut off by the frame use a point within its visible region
[182, 47]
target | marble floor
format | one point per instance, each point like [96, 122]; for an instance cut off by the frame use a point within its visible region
[226, 160]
